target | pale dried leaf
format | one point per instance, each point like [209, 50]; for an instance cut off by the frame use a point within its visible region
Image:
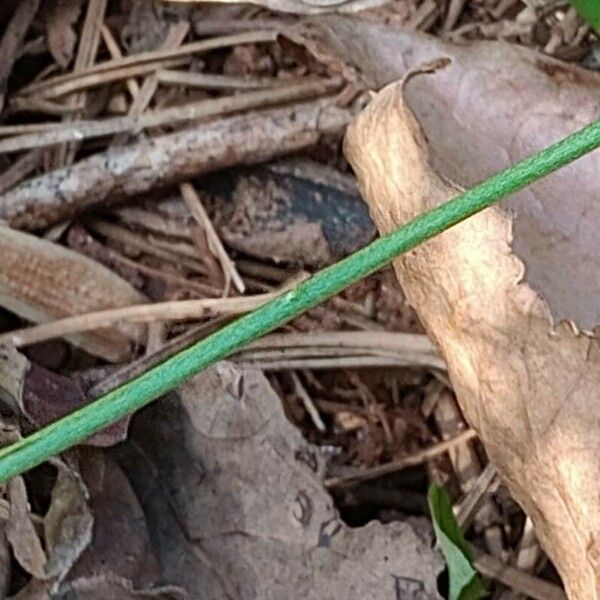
[13, 370]
[495, 104]
[42, 281]
[67, 524]
[233, 497]
[528, 389]
[20, 532]
[67, 527]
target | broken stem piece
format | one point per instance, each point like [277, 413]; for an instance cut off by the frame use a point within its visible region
[74, 428]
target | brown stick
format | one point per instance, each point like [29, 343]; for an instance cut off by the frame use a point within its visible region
[12, 39]
[124, 172]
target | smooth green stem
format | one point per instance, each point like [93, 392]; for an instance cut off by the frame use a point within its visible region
[79, 425]
[590, 9]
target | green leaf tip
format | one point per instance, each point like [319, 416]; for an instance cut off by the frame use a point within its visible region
[465, 584]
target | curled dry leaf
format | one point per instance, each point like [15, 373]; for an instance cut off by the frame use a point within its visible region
[528, 387]
[495, 104]
[236, 508]
[41, 281]
[67, 527]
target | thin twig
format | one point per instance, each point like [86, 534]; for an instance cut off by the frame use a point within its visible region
[194, 203]
[140, 313]
[86, 56]
[210, 81]
[533, 587]
[115, 53]
[147, 165]
[64, 84]
[46, 134]
[309, 405]
[175, 36]
[412, 460]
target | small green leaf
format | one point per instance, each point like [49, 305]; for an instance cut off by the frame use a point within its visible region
[590, 9]
[464, 581]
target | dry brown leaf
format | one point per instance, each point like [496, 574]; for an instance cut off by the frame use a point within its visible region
[233, 498]
[41, 281]
[67, 524]
[42, 397]
[59, 17]
[495, 104]
[67, 527]
[527, 387]
[21, 534]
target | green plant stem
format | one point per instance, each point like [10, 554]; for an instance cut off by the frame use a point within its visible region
[115, 405]
[590, 9]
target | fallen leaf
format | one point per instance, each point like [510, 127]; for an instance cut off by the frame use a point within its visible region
[42, 396]
[21, 534]
[67, 524]
[528, 388]
[233, 498]
[495, 104]
[67, 527]
[42, 281]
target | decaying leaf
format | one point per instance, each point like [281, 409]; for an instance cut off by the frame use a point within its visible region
[67, 524]
[67, 527]
[21, 533]
[528, 387]
[42, 396]
[234, 502]
[42, 281]
[495, 104]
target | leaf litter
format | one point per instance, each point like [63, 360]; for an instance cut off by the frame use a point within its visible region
[129, 134]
